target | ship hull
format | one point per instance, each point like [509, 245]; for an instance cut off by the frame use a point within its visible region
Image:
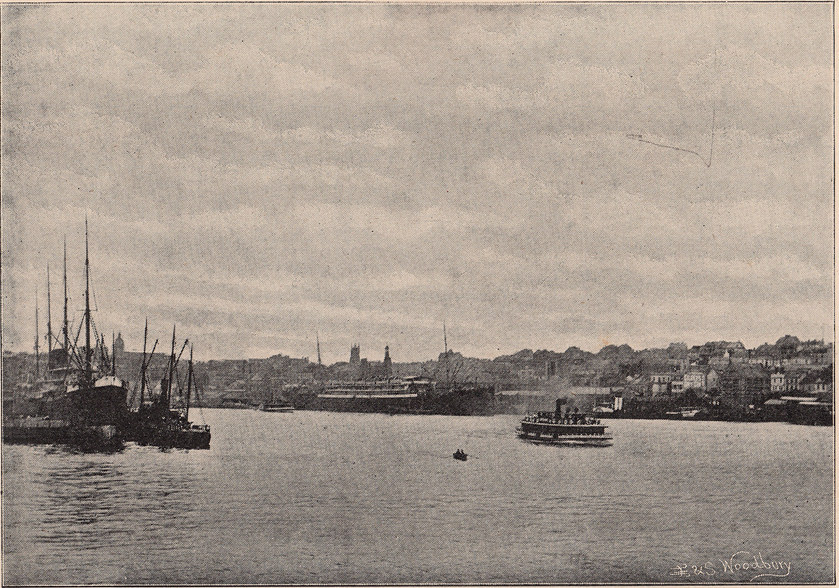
[175, 438]
[90, 418]
[385, 403]
[276, 408]
[411, 396]
[569, 440]
[101, 405]
[166, 428]
[37, 431]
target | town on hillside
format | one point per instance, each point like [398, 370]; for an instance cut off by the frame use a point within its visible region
[790, 379]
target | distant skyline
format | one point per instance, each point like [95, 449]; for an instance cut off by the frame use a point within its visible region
[536, 176]
[377, 355]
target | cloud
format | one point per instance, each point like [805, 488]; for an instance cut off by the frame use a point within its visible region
[746, 73]
[381, 137]
[497, 97]
[84, 62]
[259, 169]
[247, 127]
[242, 67]
[566, 84]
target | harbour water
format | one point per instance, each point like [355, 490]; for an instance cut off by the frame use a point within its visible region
[318, 497]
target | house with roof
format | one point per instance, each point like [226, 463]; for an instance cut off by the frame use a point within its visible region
[677, 385]
[744, 383]
[817, 382]
[660, 384]
[694, 379]
[712, 380]
[777, 382]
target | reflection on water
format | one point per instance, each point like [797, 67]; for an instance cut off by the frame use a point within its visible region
[339, 498]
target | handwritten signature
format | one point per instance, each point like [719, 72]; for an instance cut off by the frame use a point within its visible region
[742, 561]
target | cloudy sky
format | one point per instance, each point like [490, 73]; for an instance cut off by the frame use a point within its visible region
[257, 173]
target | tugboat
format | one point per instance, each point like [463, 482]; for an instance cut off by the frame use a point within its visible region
[157, 423]
[552, 428]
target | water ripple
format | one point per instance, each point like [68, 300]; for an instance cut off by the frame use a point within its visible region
[336, 498]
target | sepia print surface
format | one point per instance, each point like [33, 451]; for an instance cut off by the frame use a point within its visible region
[299, 293]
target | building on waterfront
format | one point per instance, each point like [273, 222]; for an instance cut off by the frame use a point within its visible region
[660, 384]
[776, 382]
[677, 386]
[818, 382]
[744, 384]
[388, 366]
[712, 380]
[695, 380]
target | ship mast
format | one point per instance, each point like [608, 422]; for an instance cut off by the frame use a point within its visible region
[113, 355]
[446, 353]
[37, 348]
[171, 370]
[445, 342]
[143, 366]
[188, 384]
[49, 323]
[65, 327]
[88, 371]
[317, 339]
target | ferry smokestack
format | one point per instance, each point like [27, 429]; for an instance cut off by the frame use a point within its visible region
[559, 403]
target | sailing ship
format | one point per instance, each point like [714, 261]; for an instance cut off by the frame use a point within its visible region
[456, 395]
[75, 401]
[158, 422]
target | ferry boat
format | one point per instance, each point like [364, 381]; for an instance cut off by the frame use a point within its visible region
[552, 428]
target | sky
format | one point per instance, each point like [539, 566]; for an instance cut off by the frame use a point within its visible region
[535, 176]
